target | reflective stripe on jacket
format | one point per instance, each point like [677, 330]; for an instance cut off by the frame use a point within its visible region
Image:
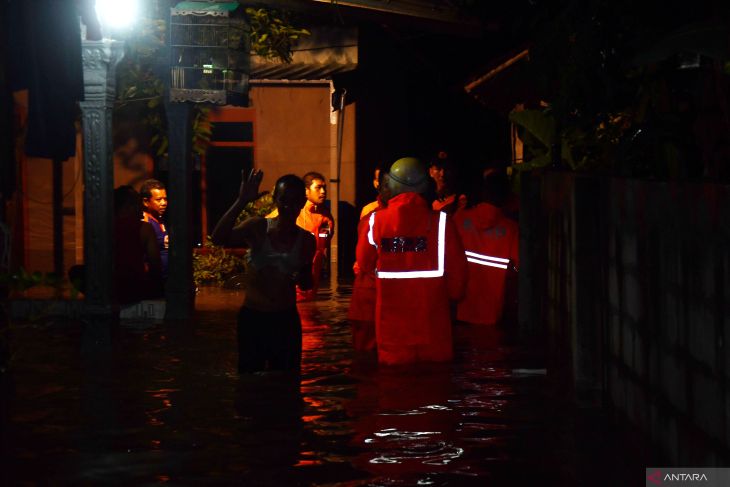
[491, 243]
[420, 266]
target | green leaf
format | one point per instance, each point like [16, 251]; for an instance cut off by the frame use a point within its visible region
[540, 125]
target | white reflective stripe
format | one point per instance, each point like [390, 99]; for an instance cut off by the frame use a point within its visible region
[484, 262]
[486, 257]
[441, 258]
[370, 232]
[322, 235]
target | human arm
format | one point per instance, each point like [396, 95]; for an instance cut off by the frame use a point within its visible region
[225, 233]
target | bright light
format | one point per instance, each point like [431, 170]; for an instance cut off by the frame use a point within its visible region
[116, 14]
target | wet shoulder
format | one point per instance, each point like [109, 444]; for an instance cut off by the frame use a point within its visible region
[255, 229]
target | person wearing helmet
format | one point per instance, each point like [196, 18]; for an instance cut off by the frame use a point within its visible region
[420, 266]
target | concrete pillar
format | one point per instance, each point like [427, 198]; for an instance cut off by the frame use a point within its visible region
[100, 59]
[179, 291]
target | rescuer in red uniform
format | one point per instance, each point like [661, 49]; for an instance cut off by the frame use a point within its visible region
[362, 303]
[491, 243]
[419, 264]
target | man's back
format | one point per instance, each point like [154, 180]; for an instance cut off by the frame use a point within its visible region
[491, 242]
[420, 267]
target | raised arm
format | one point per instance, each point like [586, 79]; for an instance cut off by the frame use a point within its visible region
[225, 233]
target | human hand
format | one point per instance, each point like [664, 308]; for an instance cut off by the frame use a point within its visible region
[249, 190]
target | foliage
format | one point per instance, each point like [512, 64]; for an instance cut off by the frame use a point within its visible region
[22, 280]
[140, 73]
[215, 265]
[616, 96]
[271, 34]
[578, 149]
[262, 206]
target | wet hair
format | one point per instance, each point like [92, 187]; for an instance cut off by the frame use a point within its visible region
[441, 159]
[310, 177]
[126, 197]
[148, 186]
[288, 180]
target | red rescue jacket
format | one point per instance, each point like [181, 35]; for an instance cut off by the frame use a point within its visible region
[491, 243]
[420, 266]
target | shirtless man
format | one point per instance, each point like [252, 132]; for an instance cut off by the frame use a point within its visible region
[279, 258]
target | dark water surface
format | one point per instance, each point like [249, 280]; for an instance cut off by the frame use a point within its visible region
[142, 403]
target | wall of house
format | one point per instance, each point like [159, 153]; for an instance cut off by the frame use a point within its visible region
[631, 281]
[37, 203]
[294, 134]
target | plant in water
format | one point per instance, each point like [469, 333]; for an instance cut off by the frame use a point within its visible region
[23, 280]
[214, 265]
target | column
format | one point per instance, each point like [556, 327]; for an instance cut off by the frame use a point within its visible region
[179, 289]
[99, 61]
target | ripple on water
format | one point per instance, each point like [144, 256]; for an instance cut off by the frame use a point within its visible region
[157, 402]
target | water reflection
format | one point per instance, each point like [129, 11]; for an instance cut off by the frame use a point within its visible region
[151, 402]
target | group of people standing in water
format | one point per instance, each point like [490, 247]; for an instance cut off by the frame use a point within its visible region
[421, 262]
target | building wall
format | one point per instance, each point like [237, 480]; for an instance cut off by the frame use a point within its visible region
[37, 202]
[294, 134]
[631, 278]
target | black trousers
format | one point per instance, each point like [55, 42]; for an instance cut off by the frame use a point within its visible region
[269, 340]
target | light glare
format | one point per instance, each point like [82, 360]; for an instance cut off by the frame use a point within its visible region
[116, 14]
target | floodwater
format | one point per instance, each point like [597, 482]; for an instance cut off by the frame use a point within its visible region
[143, 403]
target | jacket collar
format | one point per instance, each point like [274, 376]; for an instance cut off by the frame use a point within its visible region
[409, 198]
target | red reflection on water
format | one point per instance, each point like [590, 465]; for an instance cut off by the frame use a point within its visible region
[309, 459]
[312, 327]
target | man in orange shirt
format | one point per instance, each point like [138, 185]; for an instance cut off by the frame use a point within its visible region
[373, 205]
[315, 218]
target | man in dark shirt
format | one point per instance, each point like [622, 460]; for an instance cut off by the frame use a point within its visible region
[154, 199]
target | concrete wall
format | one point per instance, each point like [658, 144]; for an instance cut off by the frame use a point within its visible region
[36, 193]
[294, 134]
[634, 290]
